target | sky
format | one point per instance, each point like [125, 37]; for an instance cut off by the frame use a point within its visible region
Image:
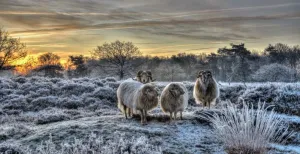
[157, 27]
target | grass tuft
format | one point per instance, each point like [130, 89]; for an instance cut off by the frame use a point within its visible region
[248, 130]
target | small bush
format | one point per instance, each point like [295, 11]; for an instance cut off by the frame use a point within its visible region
[76, 89]
[247, 130]
[275, 73]
[111, 79]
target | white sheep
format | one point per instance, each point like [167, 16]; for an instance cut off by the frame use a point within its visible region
[174, 99]
[133, 95]
[206, 89]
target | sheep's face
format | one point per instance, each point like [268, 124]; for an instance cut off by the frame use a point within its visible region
[150, 92]
[205, 77]
[176, 90]
[144, 76]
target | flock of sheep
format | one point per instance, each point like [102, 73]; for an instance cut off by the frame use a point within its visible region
[142, 95]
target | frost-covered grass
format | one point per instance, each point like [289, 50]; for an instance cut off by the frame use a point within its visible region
[31, 108]
[38, 93]
[93, 144]
[248, 130]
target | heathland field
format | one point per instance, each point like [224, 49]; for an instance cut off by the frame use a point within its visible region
[53, 115]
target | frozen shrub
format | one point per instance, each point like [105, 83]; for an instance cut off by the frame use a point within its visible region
[15, 102]
[20, 80]
[70, 102]
[10, 149]
[43, 92]
[98, 83]
[231, 93]
[76, 89]
[99, 104]
[113, 85]
[43, 102]
[50, 115]
[110, 79]
[105, 93]
[55, 80]
[45, 119]
[247, 130]
[5, 92]
[7, 84]
[275, 73]
[13, 131]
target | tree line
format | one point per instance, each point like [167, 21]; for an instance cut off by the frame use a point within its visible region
[236, 63]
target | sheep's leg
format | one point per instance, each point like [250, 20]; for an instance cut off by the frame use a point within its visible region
[171, 116]
[142, 117]
[208, 105]
[175, 115]
[125, 111]
[180, 115]
[145, 116]
[129, 112]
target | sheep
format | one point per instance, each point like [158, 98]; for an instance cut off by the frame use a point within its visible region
[133, 95]
[206, 89]
[144, 77]
[174, 98]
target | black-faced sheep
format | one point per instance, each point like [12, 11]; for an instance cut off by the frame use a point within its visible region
[206, 89]
[133, 95]
[174, 99]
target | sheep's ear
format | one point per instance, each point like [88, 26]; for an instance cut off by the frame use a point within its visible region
[208, 72]
[139, 73]
[149, 73]
[152, 80]
[134, 79]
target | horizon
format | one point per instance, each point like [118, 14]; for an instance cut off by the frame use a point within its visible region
[158, 28]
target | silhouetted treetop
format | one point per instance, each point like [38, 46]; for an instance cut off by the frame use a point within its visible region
[11, 49]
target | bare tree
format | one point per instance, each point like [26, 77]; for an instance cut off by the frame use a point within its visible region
[116, 56]
[11, 49]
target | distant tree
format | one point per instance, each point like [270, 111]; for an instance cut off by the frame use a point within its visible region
[79, 62]
[168, 71]
[49, 59]
[49, 65]
[293, 56]
[242, 55]
[116, 56]
[186, 61]
[11, 49]
[213, 64]
[275, 73]
[277, 52]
